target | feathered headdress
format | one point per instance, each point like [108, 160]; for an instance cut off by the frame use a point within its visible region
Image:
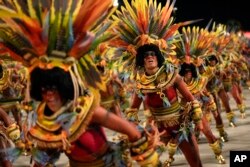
[53, 33]
[195, 43]
[144, 22]
[222, 38]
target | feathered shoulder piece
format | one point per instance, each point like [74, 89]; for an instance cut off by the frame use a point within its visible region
[145, 22]
[194, 45]
[49, 33]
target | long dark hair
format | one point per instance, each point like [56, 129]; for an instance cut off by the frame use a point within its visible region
[139, 61]
[55, 77]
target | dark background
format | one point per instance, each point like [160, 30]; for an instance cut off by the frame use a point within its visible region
[229, 12]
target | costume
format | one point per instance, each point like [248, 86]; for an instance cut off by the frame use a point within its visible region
[236, 70]
[114, 94]
[194, 44]
[55, 41]
[12, 86]
[147, 30]
[215, 71]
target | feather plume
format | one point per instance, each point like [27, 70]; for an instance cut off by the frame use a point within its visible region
[194, 43]
[37, 28]
[142, 22]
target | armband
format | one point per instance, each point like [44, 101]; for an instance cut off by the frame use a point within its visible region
[122, 93]
[28, 106]
[13, 132]
[196, 111]
[212, 106]
[142, 153]
[132, 114]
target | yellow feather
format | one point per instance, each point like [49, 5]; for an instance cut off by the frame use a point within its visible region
[52, 12]
[76, 10]
[32, 12]
[129, 9]
[18, 7]
[66, 17]
[4, 11]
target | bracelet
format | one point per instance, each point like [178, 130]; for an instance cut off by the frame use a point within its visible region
[197, 112]
[132, 114]
[13, 132]
[28, 105]
[140, 146]
[138, 142]
[195, 104]
[212, 106]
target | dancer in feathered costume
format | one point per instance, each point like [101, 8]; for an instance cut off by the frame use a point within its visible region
[193, 46]
[114, 94]
[215, 71]
[146, 33]
[236, 70]
[53, 39]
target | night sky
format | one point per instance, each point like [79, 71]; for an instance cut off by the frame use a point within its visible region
[228, 12]
[221, 11]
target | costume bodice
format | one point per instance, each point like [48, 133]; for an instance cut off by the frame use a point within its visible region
[158, 86]
[90, 145]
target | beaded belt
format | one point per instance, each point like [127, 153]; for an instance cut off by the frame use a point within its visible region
[167, 116]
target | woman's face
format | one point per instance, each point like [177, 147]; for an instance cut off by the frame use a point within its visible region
[188, 75]
[212, 63]
[52, 98]
[150, 60]
[201, 69]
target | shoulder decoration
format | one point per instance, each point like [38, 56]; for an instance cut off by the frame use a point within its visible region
[156, 82]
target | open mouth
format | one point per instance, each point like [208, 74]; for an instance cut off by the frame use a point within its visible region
[150, 61]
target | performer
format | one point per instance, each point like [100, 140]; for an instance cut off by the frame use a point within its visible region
[237, 69]
[193, 46]
[215, 86]
[196, 85]
[145, 34]
[215, 71]
[206, 72]
[114, 94]
[231, 82]
[54, 42]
